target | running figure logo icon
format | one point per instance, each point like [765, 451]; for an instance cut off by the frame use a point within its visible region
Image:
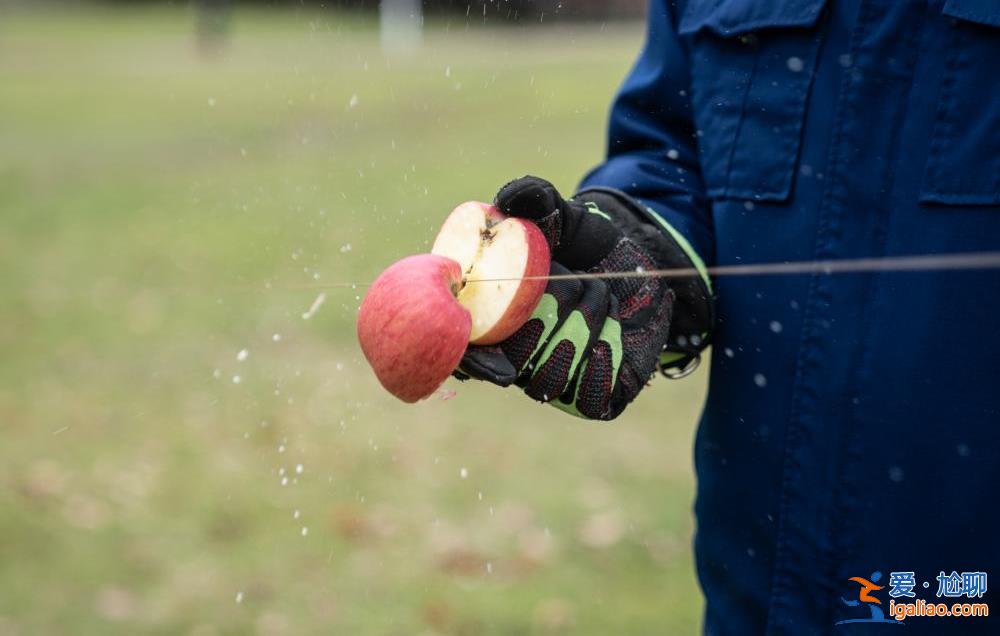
[866, 596]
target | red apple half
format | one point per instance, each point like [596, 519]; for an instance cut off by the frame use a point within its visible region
[411, 329]
[495, 254]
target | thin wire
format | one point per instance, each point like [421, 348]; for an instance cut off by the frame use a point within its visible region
[915, 263]
[911, 263]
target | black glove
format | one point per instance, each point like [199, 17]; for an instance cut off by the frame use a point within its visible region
[592, 344]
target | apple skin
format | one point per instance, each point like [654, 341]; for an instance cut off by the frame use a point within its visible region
[529, 293]
[411, 328]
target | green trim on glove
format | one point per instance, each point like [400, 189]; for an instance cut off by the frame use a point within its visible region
[594, 209]
[548, 312]
[671, 357]
[682, 241]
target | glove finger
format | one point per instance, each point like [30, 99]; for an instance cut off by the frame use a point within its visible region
[570, 343]
[529, 197]
[627, 386]
[631, 363]
[591, 395]
[535, 199]
[488, 364]
[580, 235]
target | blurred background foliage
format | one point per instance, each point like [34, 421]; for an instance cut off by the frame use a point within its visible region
[182, 452]
[514, 11]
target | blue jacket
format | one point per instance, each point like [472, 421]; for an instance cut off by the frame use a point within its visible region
[852, 427]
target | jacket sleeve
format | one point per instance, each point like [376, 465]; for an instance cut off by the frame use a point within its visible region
[653, 157]
[652, 144]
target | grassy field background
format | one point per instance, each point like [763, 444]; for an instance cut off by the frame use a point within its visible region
[160, 212]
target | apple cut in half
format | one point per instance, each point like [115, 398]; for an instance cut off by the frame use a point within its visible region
[498, 256]
[421, 313]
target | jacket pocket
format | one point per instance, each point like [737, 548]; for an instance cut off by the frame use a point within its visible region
[752, 65]
[963, 164]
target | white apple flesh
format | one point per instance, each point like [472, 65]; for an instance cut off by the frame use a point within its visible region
[411, 329]
[499, 257]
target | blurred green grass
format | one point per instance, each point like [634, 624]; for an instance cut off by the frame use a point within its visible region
[160, 212]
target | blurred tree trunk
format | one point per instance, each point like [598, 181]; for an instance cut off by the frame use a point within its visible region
[212, 26]
[401, 23]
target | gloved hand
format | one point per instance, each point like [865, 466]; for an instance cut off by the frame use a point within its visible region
[593, 344]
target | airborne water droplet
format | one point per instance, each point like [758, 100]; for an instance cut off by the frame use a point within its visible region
[316, 304]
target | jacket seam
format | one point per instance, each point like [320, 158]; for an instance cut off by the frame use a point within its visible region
[826, 232]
